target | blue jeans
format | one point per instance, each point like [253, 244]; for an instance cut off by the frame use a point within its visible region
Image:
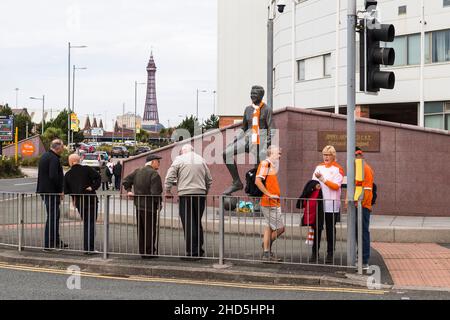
[365, 235]
[51, 236]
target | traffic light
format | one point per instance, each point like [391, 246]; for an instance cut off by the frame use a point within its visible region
[372, 55]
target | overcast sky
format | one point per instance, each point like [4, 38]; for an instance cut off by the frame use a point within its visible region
[34, 36]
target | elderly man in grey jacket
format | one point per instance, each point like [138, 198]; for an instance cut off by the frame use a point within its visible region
[192, 177]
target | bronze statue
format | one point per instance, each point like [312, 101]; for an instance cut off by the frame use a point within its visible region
[255, 136]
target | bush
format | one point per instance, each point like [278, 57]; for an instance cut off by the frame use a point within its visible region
[9, 168]
[30, 162]
[105, 148]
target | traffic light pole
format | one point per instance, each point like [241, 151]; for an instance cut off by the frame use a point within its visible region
[351, 131]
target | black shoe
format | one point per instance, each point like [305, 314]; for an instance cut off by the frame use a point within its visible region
[149, 257]
[92, 252]
[329, 259]
[63, 245]
[314, 258]
[48, 250]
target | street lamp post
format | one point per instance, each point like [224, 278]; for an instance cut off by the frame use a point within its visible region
[135, 110]
[214, 102]
[123, 118]
[198, 91]
[68, 90]
[17, 97]
[73, 96]
[43, 110]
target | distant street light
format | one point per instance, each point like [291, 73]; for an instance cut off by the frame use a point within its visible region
[43, 110]
[198, 91]
[68, 95]
[17, 97]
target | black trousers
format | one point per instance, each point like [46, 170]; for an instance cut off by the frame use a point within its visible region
[51, 236]
[330, 225]
[87, 206]
[147, 220]
[117, 182]
[191, 210]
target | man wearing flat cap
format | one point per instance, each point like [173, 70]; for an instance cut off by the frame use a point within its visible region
[147, 186]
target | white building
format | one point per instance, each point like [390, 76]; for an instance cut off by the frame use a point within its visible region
[319, 83]
[127, 121]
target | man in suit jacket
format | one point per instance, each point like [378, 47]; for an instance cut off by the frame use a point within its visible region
[50, 187]
[147, 199]
[81, 182]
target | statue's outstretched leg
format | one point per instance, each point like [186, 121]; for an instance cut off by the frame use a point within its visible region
[228, 156]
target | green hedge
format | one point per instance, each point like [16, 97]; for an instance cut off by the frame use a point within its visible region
[30, 162]
[9, 168]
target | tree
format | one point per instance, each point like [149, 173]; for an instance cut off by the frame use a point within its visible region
[142, 136]
[189, 124]
[53, 133]
[5, 110]
[61, 122]
[211, 123]
[23, 122]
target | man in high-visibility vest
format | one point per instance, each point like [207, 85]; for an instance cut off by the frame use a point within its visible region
[367, 185]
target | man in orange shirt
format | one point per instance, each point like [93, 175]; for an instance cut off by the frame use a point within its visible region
[270, 201]
[367, 184]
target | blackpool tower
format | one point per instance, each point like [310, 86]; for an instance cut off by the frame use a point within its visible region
[151, 118]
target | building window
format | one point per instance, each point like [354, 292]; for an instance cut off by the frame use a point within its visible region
[437, 115]
[401, 50]
[446, 3]
[327, 65]
[401, 10]
[301, 70]
[414, 49]
[441, 46]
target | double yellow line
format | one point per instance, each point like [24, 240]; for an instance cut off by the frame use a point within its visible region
[194, 282]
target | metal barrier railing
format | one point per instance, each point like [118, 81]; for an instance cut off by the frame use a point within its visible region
[209, 227]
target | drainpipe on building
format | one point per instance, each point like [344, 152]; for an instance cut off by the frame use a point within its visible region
[422, 66]
[270, 54]
[293, 42]
[337, 56]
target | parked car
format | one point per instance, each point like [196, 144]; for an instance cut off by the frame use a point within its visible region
[94, 144]
[120, 151]
[86, 148]
[93, 160]
[130, 143]
[141, 150]
[104, 153]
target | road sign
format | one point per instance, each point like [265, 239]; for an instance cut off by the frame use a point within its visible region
[74, 122]
[6, 128]
[27, 149]
[97, 132]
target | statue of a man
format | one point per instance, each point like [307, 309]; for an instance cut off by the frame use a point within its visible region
[254, 137]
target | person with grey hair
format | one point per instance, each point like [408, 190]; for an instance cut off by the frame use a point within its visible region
[50, 187]
[193, 179]
[147, 196]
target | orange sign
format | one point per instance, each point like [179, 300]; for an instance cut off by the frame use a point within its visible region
[27, 149]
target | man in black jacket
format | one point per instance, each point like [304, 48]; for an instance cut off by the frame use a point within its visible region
[50, 187]
[147, 199]
[81, 182]
[117, 171]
